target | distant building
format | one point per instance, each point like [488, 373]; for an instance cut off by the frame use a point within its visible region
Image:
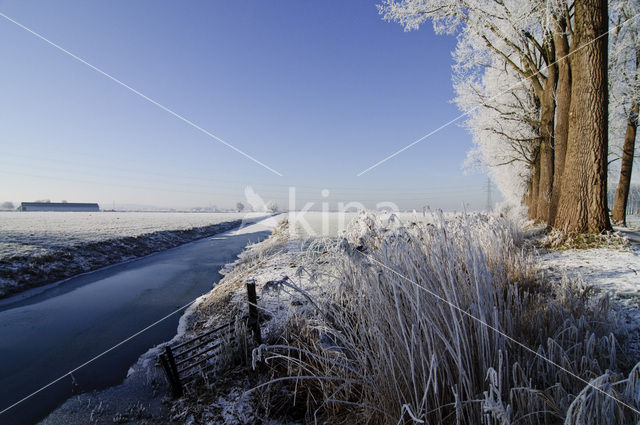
[58, 206]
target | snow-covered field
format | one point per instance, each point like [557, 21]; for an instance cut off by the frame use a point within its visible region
[318, 224]
[41, 247]
[616, 270]
[39, 232]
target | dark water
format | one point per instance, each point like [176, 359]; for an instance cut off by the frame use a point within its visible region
[44, 337]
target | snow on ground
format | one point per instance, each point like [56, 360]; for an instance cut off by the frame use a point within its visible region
[632, 234]
[42, 247]
[633, 222]
[632, 229]
[39, 232]
[610, 269]
[606, 269]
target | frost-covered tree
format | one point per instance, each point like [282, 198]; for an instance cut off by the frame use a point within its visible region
[522, 35]
[272, 207]
[558, 51]
[503, 118]
[562, 13]
[239, 206]
[624, 97]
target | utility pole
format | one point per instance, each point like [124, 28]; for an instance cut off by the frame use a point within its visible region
[489, 195]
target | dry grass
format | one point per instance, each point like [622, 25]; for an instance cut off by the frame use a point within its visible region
[559, 240]
[215, 394]
[418, 327]
[217, 306]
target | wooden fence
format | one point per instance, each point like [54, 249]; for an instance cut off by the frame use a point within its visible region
[184, 361]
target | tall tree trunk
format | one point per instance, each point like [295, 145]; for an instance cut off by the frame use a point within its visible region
[628, 149]
[563, 100]
[547, 112]
[526, 200]
[535, 185]
[583, 201]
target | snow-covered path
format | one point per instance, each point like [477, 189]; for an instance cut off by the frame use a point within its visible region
[612, 270]
[45, 336]
[632, 235]
[608, 269]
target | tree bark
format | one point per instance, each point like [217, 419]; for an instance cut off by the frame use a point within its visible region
[561, 132]
[534, 185]
[547, 112]
[582, 205]
[619, 214]
[526, 200]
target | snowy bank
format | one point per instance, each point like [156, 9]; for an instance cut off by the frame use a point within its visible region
[40, 248]
[142, 397]
[611, 271]
[286, 271]
[349, 338]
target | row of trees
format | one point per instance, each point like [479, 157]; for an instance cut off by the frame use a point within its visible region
[541, 81]
[269, 207]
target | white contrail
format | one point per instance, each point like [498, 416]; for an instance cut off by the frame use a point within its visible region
[498, 331]
[164, 108]
[399, 151]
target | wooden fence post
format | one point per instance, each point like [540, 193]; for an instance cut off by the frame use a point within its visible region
[254, 317]
[171, 370]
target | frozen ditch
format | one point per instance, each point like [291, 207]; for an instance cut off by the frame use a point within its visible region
[39, 248]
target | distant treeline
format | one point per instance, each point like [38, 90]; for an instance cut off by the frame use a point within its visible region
[633, 204]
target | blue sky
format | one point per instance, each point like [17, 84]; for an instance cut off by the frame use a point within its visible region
[316, 90]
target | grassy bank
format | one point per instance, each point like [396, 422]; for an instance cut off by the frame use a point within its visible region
[432, 321]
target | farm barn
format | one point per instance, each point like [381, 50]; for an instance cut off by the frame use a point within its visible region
[59, 206]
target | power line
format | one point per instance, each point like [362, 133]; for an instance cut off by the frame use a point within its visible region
[497, 331]
[171, 177]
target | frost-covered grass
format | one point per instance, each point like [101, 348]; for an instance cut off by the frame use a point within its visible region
[419, 326]
[308, 224]
[316, 224]
[347, 340]
[41, 247]
[613, 271]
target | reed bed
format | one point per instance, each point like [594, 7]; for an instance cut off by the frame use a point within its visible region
[447, 321]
